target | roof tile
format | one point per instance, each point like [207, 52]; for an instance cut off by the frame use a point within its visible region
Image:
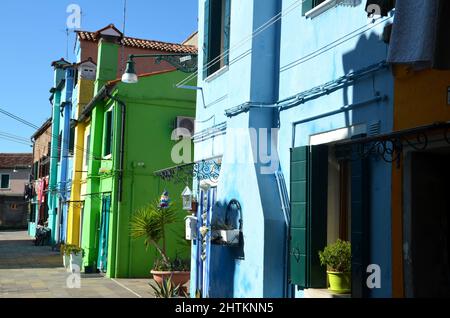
[13, 160]
[142, 44]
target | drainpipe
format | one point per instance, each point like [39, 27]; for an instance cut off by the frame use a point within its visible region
[121, 168]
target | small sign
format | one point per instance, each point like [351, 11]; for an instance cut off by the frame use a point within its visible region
[185, 58]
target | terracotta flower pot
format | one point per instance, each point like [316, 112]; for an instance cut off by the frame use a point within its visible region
[177, 278]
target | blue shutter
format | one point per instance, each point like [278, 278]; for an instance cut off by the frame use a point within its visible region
[360, 222]
[226, 31]
[206, 37]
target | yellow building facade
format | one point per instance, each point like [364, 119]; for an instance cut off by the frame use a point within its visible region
[421, 100]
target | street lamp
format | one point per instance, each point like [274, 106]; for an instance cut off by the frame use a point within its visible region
[186, 63]
[130, 76]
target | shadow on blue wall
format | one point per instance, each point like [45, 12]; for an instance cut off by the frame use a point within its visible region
[378, 116]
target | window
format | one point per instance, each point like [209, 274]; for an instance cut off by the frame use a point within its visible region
[329, 200]
[72, 141]
[87, 150]
[216, 35]
[310, 4]
[4, 181]
[75, 79]
[59, 147]
[108, 133]
[13, 206]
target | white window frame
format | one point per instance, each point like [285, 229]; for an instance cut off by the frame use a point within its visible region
[321, 8]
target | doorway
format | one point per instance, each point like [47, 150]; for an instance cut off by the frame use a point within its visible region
[427, 224]
[102, 260]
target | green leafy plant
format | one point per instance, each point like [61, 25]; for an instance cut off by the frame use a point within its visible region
[337, 257]
[167, 289]
[174, 265]
[67, 249]
[151, 224]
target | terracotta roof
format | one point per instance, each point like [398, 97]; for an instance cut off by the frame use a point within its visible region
[15, 160]
[80, 63]
[59, 62]
[139, 43]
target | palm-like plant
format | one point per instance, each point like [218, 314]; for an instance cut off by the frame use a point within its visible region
[150, 223]
[167, 289]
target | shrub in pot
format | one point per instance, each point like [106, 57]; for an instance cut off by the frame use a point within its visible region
[337, 257]
[72, 257]
[151, 224]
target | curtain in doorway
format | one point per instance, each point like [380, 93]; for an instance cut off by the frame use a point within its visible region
[104, 229]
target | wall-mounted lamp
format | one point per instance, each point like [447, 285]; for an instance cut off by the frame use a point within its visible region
[186, 63]
[130, 76]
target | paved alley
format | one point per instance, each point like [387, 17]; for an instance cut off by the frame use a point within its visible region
[28, 271]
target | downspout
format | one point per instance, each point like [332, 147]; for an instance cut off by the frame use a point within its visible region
[120, 181]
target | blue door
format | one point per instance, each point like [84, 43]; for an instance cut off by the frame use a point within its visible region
[102, 260]
[207, 201]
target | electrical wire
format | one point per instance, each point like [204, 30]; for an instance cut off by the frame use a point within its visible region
[63, 141]
[301, 60]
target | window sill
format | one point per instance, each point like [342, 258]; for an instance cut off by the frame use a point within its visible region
[321, 8]
[323, 293]
[216, 74]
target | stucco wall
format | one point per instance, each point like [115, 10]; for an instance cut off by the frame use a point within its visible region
[42, 142]
[17, 181]
[316, 51]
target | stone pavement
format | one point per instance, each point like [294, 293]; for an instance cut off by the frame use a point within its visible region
[28, 271]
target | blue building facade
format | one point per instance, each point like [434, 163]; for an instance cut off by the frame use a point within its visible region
[57, 98]
[280, 115]
[66, 143]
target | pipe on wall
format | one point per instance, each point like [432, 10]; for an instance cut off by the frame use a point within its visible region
[121, 168]
[335, 112]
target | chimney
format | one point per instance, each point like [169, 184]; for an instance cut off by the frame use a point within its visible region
[108, 56]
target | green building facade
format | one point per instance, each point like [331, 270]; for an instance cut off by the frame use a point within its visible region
[130, 139]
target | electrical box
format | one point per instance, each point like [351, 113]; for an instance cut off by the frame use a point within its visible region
[191, 228]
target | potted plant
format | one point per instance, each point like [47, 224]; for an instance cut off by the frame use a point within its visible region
[225, 234]
[151, 224]
[72, 257]
[337, 258]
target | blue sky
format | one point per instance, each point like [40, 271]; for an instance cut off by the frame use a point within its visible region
[32, 34]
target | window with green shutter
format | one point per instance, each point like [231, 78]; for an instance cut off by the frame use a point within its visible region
[308, 5]
[329, 201]
[216, 41]
[108, 133]
[309, 166]
[4, 181]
